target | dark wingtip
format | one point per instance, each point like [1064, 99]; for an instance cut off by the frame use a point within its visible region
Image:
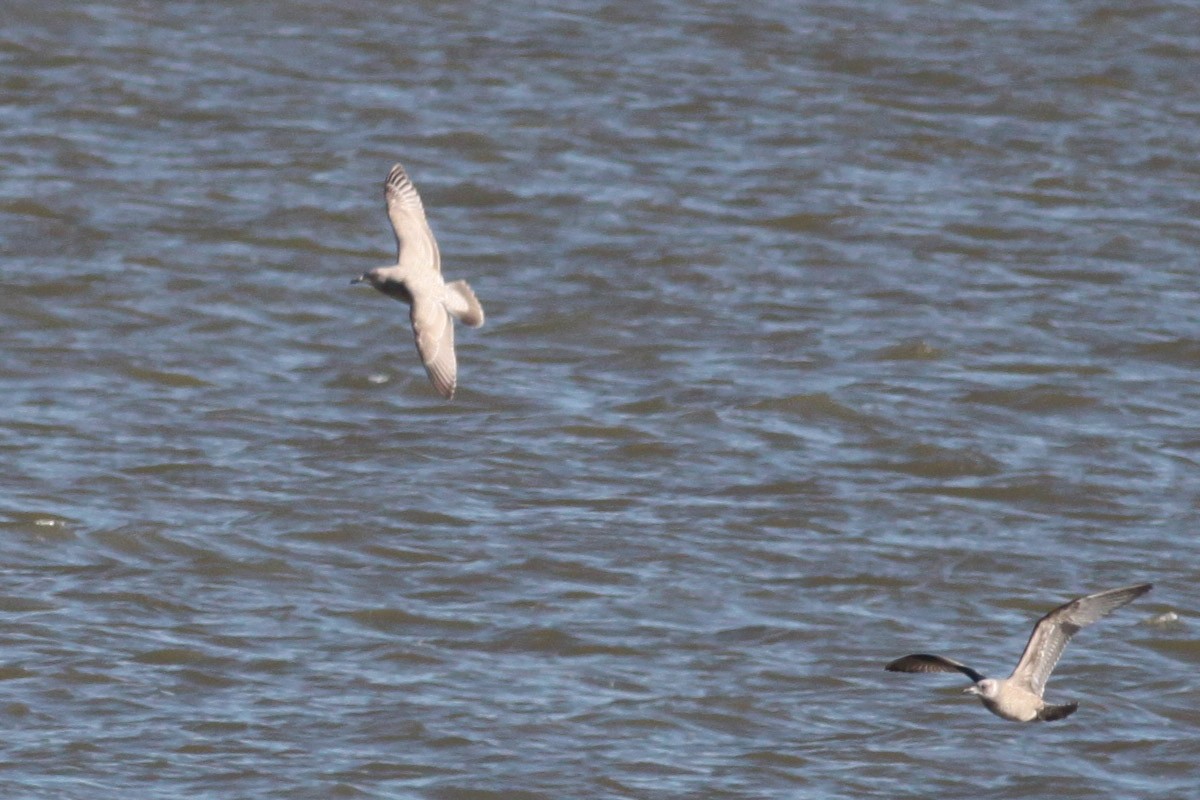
[924, 662]
[1136, 591]
[917, 662]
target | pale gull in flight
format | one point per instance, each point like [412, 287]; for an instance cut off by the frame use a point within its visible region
[1019, 696]
[416, 279]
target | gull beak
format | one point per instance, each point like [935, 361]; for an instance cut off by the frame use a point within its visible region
[971, 690]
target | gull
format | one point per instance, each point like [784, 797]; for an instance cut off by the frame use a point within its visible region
[416, 279]
[1019, 696]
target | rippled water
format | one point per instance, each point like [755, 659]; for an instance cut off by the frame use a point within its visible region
[815, 337]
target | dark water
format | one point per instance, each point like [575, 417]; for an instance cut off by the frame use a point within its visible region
[815, 337]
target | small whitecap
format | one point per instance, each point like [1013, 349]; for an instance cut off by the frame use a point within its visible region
[1162, 620]
[378, 378]
[45, 522]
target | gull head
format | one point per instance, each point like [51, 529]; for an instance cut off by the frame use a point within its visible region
[377, 277]
[388, 280]
[987, 687]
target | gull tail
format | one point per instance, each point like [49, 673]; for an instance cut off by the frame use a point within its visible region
[461, 302]
[1051, 713]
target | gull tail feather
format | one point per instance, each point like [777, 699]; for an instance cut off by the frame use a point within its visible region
[1051, 713]
[461, 302]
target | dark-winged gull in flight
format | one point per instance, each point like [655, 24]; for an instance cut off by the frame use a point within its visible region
[416, 279]
[1019, 696]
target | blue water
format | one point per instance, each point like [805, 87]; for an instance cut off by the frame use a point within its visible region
[815, 337]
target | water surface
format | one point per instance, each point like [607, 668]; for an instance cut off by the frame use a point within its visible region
[815, 337]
